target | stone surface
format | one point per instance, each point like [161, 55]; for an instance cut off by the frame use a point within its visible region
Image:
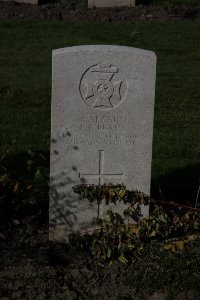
[110, 3]
[23, 1]
[102, 128]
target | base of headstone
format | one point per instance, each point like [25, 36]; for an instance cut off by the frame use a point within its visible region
[110, 3]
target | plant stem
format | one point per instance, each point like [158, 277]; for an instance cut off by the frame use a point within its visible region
[197, 197]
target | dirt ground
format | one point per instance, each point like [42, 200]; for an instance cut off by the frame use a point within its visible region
[31, 267]
[73, 12]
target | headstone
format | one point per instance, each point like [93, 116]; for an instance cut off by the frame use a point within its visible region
[23, 1]
[110, 3]
[102, 129]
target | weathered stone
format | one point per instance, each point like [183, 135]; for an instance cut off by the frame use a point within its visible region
[110, 3]
[102, 129]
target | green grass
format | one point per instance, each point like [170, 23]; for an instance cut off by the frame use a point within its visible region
[25, 85]
[170, 2]
[170, 275]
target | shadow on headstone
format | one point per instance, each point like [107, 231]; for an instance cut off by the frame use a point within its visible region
[67, 212]
[180, 186]
[62, 205]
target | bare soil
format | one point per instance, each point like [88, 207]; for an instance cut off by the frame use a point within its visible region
[80, 12]
[31, 267]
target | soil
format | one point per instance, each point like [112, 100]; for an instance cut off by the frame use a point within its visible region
[79, 12]
[31, 267]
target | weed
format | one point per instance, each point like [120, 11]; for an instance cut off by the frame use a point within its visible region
[117, 238]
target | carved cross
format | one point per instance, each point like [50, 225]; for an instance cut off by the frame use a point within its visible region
[100, 175]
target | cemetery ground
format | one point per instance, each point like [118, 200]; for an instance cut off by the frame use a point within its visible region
[77, 10]
[31, 267]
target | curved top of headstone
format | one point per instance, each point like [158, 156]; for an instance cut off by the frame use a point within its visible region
[105, 48]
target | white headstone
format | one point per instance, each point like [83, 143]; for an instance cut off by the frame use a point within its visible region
[110, 3]
[102, 128]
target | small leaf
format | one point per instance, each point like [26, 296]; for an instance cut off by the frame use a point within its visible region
[179, 245]
[109, 253]
[30, 163]
[187, 217]
[153, 233]
[29, 187]
[168, 247]
[16, 188]
[175, 219]
[192, 237]
[41, 175]
[123, 259]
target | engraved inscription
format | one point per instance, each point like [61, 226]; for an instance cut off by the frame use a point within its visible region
[102, 87]
[98, 130]
[103, 139]
[100, 175]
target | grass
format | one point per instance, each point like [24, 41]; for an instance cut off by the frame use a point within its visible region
[170, 2]
[167, 275]
[25, 86]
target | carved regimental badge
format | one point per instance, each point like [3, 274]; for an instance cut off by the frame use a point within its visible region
[102, 87]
